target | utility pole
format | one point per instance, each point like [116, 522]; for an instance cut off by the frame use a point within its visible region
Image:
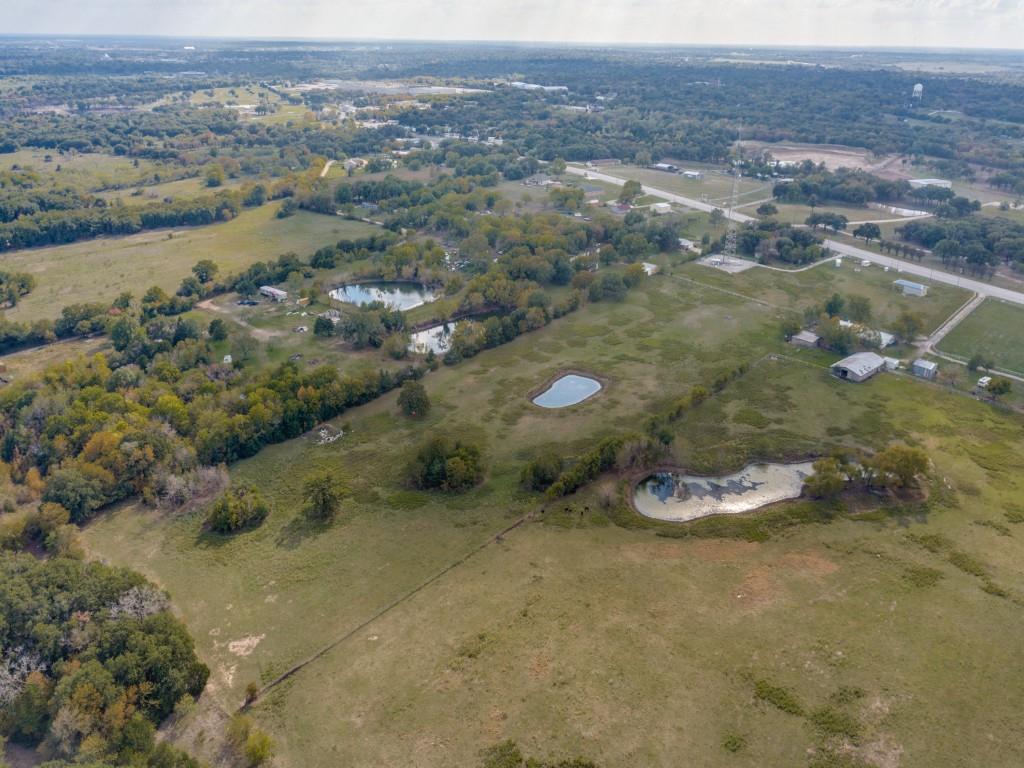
[730, 234]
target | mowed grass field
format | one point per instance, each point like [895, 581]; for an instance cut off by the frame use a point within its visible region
[715, 185]
[996, 329]
[799, 290]
[576, 636]
[98, 270]
[794, 213]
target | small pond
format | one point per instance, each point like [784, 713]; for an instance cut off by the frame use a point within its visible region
[677, 497]
[567, 390]
[436, 339]
[402, 296]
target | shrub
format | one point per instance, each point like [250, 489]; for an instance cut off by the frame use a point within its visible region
[413, 399]
[779, 697]
[237, 509]
[323, 496]
[259, 747]
[540, 473]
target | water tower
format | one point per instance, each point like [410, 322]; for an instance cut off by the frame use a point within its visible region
[918, 91]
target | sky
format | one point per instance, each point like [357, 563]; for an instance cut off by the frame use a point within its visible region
[891, 23]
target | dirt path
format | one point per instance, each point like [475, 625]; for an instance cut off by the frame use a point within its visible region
[262, 334]
[326, 169]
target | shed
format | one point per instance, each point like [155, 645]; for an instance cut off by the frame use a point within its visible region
[695, 175]
[910, 288]
[273, 293]
[891, 363]
[805, 339]
[924, 369]
[660, 208]
[859, 367]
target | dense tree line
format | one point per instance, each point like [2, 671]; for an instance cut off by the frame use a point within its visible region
[976, 243]
[92, 662]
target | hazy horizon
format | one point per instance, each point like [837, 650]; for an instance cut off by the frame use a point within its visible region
[914, 24]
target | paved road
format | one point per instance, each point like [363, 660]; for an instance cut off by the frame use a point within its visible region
[672, 197]
[909, 267]
[958, 317]
[850, 251]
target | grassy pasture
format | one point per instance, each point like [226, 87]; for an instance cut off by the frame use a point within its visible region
[98, 270]
[798, 290]
[996, 328]
[581, 637]
[716, 185]
[794, 213]
[88, 172]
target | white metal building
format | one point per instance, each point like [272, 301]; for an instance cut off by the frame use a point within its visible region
[910, 288]
[859, 367]
[924, 369]
[273, 293]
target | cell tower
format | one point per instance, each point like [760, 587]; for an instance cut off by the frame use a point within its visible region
[737, 172]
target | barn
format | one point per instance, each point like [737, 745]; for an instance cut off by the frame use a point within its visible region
[859, 367]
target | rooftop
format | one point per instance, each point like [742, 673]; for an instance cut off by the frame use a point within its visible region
[862, 363]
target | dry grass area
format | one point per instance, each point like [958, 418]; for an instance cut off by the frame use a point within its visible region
[624, 643]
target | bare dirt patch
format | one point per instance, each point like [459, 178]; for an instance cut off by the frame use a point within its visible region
[759, 589]
[832, 155]
[246, 645]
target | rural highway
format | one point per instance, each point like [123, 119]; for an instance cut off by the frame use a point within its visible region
[841, 249]
[672, 197]
[909, 267]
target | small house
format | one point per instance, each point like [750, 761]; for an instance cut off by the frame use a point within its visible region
[859, 367]
[924, 369]
[661, 208]
[805, 339]
[922, 183]
[910, 288]
[687, 245]
[273, 293]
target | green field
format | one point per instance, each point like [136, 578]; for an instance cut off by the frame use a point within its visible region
[98, 270]
[996, 328]
[793, 213]
[798, 290]
[578, 636]
[715, 185]
[89, 172]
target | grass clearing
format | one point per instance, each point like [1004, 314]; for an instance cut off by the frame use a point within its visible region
[996, 329]
[798, 290]
[617, 643]
[98, 270]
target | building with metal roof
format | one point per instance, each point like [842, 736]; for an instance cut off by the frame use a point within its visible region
[859, 367]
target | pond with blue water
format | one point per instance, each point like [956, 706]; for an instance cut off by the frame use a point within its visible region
[568, 390]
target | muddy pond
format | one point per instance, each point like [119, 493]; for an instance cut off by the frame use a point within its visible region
[678, 497]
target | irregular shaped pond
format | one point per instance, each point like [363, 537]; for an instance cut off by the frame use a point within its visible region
[678, 498]
[402, 296]
[567, 390]
[436, 338]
